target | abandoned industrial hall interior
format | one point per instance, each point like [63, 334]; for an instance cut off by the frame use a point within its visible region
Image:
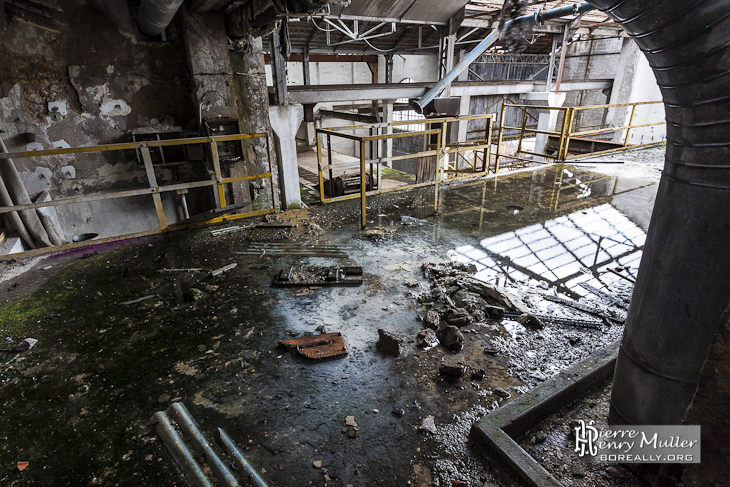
[465, 243]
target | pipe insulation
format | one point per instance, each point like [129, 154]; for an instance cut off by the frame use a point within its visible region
[13, 216]
[155, 15]
[682, 287]
[19, 195]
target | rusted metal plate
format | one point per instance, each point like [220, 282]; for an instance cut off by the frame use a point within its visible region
[317, 347]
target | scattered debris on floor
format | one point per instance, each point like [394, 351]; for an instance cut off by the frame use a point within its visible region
[221, 270]
[374, 234]
[304, 275]
[317, 347]
[295, 249]
[24, 345]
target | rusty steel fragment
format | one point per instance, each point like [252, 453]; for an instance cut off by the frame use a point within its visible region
[317, 347]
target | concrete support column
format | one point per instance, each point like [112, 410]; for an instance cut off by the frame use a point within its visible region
[213, 94]
[285, 120]
[547, 119]
[635, 82]
[463, 125]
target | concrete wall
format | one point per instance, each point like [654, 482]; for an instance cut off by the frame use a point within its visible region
[91, 84]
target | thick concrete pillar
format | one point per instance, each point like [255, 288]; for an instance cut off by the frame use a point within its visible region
[635, 82]
[285, 120]
[547, 119]
[247, 60]
[212, 90]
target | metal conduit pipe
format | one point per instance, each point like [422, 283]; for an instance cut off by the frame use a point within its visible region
[252, 476]
[155, 15]
[682, 287]
[18, 193]
[179, 451]
[200, 443]
[537, 18]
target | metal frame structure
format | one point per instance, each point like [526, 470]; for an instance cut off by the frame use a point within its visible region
[440, 150]
[154, 189]
[566, 131]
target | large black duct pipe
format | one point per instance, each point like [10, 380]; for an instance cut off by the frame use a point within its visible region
[155, 15]
[683, 284]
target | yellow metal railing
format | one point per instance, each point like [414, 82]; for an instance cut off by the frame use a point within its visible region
[566, 131]
[480, 150]
[153, 189]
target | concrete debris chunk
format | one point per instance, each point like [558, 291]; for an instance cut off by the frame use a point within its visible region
[431, 320]
[428, 424]
[451, 338]
[457, 317]
[452, 366]
[317, 464]
[24, 345]
[350, 421]
[390, 342]
[426, 339]
[530, 321]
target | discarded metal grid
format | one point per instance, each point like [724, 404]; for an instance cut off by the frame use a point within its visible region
[319, 276]
[295, 249]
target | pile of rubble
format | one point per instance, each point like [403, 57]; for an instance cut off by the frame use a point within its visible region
[540, 333]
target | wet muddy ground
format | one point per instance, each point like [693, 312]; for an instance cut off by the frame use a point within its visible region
[125, 330]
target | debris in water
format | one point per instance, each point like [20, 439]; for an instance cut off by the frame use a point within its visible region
[409, 220]
[21, 466]
[319, 276]
[451, 337]
[317, 347]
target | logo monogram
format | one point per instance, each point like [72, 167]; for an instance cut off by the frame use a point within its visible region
[585, 438]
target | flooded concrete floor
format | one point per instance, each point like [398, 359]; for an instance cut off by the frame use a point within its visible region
[77, 405]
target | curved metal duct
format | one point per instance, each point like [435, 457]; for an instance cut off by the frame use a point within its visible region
[683, 286]
[155, 15]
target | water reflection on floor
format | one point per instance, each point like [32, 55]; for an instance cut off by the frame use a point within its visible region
[555, 227]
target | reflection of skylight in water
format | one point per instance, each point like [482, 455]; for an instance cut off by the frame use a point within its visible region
[584, 190]
[563, 252]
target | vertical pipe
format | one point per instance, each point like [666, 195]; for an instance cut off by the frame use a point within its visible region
[499, 138]
[363, 189]
[562, 57]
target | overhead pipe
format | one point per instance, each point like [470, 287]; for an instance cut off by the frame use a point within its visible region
[682, 288]
[155, 15]
[537, 18]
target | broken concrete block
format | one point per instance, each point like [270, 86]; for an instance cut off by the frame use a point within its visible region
[478, 374]
[428, 424]
[457, 317]
[530, 321]
[451, 337]
[426, 339]
[390, 342]
[452, 366]
[431, 320]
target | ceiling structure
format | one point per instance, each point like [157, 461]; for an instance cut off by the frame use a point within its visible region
[369, 27]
